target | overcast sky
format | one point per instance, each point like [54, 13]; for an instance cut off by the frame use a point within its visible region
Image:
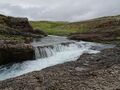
[60, 10]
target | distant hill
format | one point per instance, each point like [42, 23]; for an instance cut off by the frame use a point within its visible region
[66, 28]
[104, 29]
[103, 22]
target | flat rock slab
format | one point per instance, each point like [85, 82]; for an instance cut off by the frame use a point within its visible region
[15, 53]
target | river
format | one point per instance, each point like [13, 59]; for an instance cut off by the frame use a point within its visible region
[50, 51]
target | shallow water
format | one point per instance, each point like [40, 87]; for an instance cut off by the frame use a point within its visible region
[50, 51]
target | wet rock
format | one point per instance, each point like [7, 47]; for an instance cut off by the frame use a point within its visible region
[15, 53]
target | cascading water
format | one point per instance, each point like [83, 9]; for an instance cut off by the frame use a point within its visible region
[50, 51]
[47, 51]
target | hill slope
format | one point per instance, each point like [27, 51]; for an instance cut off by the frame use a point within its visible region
[83, 26]
[105, 29]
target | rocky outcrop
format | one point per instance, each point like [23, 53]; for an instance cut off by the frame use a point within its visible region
[19, 23]
[16, 23]
[106, 36]
[104, 29]
[15, 53]
[18, 26]
[15, 37]
[98, 35]
[90, 72]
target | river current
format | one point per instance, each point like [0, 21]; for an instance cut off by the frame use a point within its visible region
[50, 51]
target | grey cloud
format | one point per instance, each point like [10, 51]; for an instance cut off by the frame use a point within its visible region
[61, 10]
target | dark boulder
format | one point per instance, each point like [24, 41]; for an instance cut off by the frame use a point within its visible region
[18, 26]
[38, 31]
[15, 53]
[19, 23]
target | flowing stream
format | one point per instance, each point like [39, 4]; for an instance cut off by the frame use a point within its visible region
[50, 51]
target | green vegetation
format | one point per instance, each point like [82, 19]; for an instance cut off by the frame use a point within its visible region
[7, 30]
[46, 24]
[12, 39]
[66, 28]
[56, 28]
[6, 34]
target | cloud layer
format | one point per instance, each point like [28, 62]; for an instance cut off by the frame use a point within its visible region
[60, 10]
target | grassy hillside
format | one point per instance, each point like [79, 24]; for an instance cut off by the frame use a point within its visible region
[56, 28]
[103, 22]
[52, 28]
[66, 28]
[105, 29]
[46, 24]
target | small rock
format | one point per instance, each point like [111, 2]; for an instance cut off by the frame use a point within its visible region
[80, 69]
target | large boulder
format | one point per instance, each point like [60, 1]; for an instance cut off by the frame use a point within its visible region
[18, 26]
[19, 23]
[16, 23]
[38, 31]
[15, 53]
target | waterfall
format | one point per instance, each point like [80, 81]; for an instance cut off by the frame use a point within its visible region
[47, 51]
[50, 50]
[50, 54]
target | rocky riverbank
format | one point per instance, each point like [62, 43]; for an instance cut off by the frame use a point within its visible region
[105, 30]
[90, 72]
[15, 36]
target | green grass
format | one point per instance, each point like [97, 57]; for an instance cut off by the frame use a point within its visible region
[9, 35]
[56, 28]
[46, 24]
[59, 32]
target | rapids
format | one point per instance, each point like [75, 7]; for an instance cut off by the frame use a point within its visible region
[50, 51]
